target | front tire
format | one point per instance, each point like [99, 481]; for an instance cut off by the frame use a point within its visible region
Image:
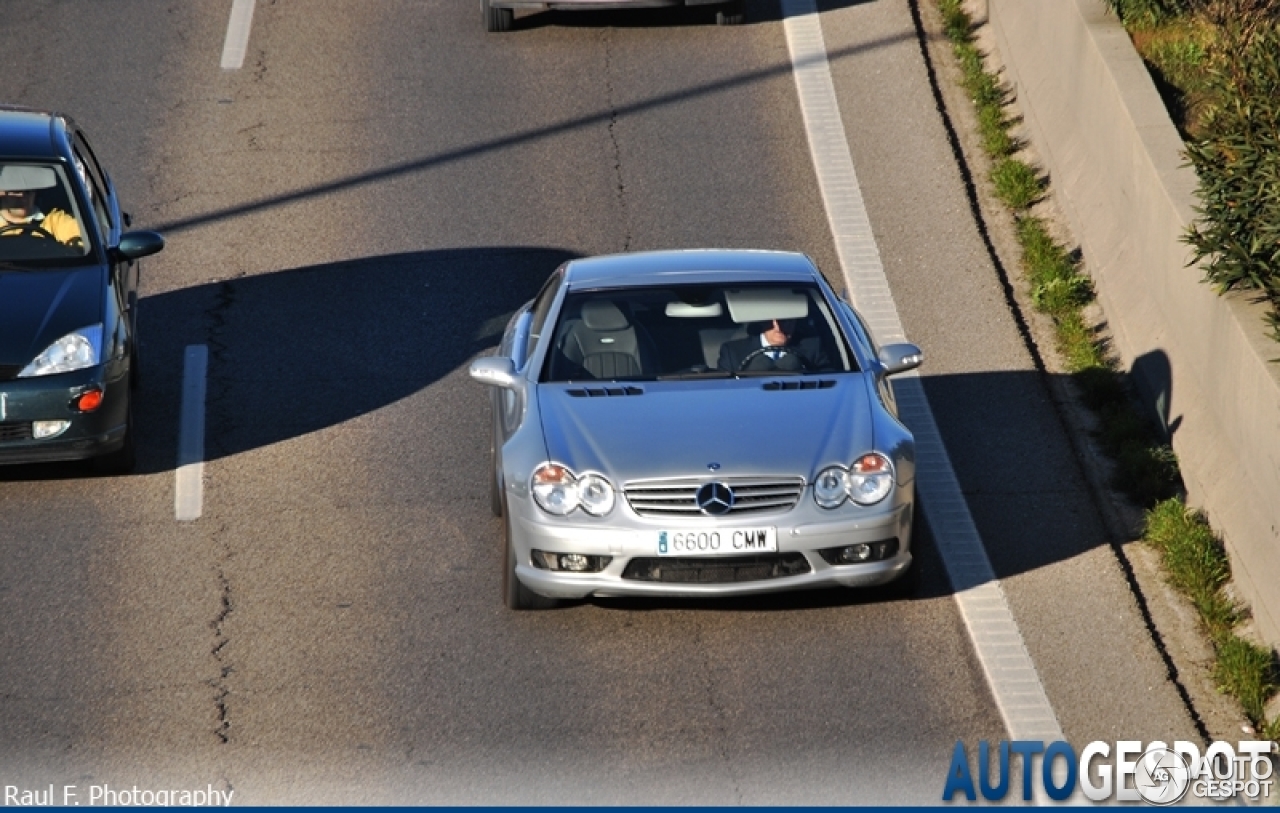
[497, 19]
[495, 485]
[514, 594]
[907, 586]
[123, 460]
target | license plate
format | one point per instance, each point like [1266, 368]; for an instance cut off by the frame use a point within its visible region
[733, 542]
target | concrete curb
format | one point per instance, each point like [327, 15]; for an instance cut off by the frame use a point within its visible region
[1201, 362]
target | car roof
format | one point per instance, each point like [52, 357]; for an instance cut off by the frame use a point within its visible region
[693, 266]
[28, 133]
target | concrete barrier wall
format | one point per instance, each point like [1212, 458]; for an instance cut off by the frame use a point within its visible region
[1200, 360]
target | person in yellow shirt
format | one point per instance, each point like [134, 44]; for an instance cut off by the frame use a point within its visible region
[19, 213]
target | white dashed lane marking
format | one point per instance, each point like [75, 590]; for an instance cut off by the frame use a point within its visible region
[188, 494]
[237, 42]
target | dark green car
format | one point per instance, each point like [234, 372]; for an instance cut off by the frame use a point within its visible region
[68, 298]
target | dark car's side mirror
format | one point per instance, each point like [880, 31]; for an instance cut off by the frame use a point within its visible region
[137, 244]
[898, 358]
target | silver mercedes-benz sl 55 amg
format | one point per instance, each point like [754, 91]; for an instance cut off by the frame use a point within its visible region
[696, 423]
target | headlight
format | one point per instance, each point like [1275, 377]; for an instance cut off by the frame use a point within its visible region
[868, 481]
[557, 491]
[595, 494]
[554, 489]
[830, 487]
[74, 351]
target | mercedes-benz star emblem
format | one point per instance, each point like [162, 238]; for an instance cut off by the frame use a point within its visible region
[714, 498]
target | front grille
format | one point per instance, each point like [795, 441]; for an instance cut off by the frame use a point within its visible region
[675, 498]
[14, 431]
[722, 570]
[8, 372]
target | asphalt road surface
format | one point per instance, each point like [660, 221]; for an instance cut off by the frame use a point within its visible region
[351, 216]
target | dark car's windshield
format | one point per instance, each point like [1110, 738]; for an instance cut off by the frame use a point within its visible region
[695, 331]
[40, 222]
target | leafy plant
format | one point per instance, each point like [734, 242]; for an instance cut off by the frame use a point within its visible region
[1238, 166]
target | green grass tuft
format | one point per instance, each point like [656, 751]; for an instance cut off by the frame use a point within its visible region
[1016, 183]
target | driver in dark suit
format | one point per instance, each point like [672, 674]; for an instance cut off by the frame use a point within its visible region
[776, 347]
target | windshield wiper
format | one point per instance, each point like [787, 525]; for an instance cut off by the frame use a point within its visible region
[771, 373]
[695, 374]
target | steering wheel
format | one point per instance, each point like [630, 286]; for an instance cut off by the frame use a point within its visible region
[27, 228]
[785, 350]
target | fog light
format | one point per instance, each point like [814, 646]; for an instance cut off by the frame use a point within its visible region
[88, 401]
[861, 552]
[575, 562]
[856, 553]
[48, 429]
[570, 562]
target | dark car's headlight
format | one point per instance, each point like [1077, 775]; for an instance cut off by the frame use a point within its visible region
[558, 491]
[75, 351]
[868, 481]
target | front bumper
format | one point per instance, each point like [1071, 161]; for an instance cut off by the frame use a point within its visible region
[48, 398]
[531, 530]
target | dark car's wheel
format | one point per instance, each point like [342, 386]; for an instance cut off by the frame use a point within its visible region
[515, 594]
[135, 368]
[497, 19]
[123, 459]
[731, 13]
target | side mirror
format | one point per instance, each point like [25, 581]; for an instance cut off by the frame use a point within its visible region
[495, 371]
[136, 244]
[898, 358]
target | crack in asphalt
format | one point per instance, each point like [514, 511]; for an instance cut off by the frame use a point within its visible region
[219, 422]
[613, 139]
[219, 684]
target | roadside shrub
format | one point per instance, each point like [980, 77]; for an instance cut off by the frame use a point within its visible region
[1238, 164]
[1147, 12]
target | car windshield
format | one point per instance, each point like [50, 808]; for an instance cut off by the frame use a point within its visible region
[696, 331]
[40, 222]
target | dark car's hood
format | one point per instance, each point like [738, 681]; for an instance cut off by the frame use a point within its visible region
[39, 307]
[679, 429]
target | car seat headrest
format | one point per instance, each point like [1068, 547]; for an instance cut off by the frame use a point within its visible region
[601, 314]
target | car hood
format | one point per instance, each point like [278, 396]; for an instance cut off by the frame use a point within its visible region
[39, 307]
[741, 427]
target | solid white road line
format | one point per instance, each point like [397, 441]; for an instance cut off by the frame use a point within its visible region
[237, 41]
[1012, 676]
[188, 495]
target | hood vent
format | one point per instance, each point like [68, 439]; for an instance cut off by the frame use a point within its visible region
[807, 384]
[603, 392]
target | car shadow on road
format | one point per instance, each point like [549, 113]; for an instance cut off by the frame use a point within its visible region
[297, 351]
[755, 13]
